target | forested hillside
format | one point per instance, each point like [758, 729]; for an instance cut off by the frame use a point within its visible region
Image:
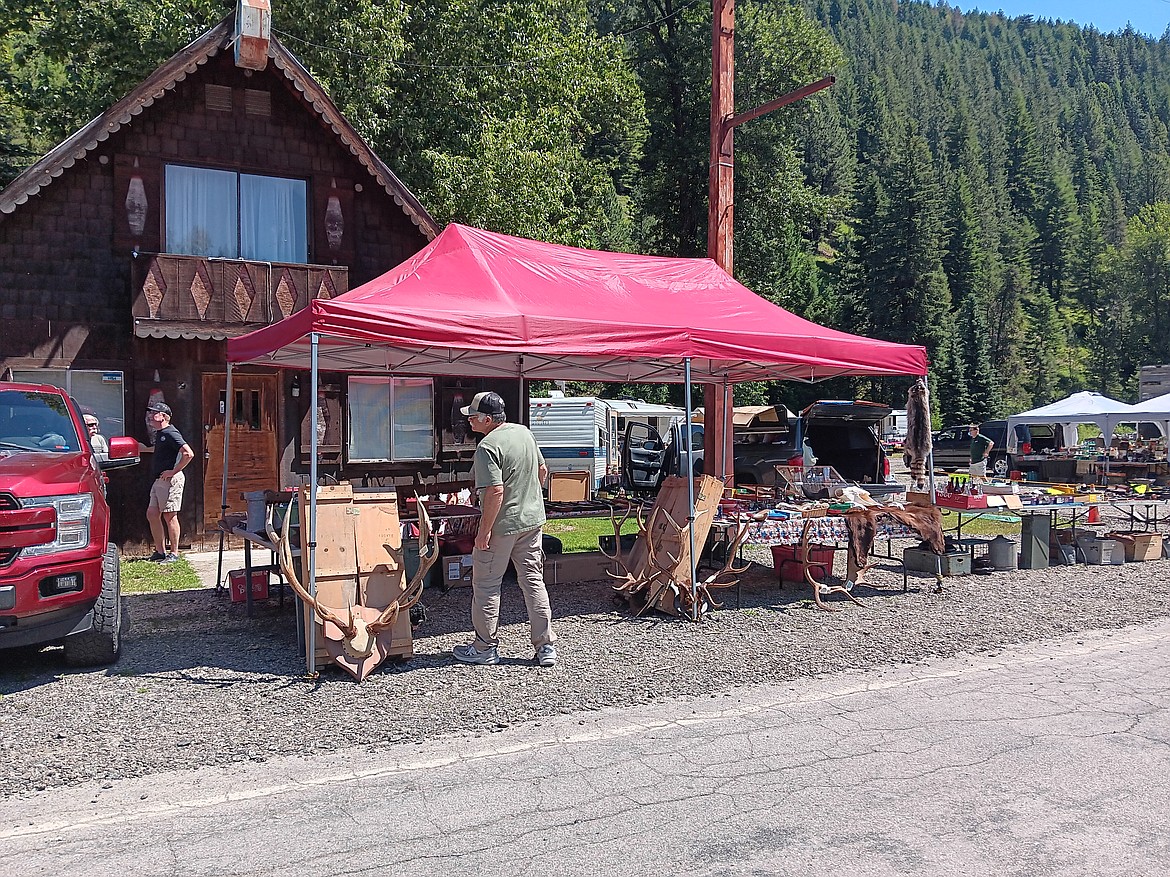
[996, 189]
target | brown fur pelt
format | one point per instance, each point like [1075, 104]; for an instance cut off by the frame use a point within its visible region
[918, 442]
[862, 524]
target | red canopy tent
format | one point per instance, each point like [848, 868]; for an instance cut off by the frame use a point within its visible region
[480, 304]
[477, 303]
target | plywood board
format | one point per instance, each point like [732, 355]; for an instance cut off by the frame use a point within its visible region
[380, 567]
[336, 547]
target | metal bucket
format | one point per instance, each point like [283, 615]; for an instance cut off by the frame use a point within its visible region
[1001, 553]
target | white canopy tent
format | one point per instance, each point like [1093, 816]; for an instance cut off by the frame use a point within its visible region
[1082, 407]
[1156, 410]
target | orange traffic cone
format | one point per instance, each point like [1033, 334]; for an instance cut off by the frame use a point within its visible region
[1094, 515]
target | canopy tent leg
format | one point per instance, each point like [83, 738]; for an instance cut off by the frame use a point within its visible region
[690, 493]
[930, 455]
[311, 633]
[223, 503]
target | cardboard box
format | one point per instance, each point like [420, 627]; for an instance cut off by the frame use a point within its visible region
[259, 584]
[583, 566]
[569, 486]
[915, 498]
[953, 563]
[1139, 546]
[455, 570]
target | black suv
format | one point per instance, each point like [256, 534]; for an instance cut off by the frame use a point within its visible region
[952, 446]
[841, 434]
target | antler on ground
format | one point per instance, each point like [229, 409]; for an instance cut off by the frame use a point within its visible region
[803, 549]
[729, 568]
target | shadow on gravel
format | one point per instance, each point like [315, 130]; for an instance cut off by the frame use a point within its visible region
[201, 638]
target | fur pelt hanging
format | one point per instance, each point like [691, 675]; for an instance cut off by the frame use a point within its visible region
[918, 441]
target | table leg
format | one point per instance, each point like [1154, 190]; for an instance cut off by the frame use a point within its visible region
[248, 575]
[219, 562]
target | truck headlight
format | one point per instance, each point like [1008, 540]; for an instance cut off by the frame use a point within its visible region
[73, 513]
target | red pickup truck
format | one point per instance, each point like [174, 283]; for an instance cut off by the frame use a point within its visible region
[59, 574]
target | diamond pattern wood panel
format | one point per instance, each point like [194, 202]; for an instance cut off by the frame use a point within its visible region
[223, 292]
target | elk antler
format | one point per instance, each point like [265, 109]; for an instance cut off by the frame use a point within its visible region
[618, 555]
[284, 557]
[413, 591]
[729, 567]
[628, 582]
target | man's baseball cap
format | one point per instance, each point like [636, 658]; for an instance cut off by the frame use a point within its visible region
[484, 403]
[160, 406]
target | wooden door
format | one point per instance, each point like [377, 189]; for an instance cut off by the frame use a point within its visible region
[253, 412]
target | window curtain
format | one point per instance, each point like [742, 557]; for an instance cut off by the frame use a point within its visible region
[369, 419]
[201, 212]
[412, 419]
[273, 219]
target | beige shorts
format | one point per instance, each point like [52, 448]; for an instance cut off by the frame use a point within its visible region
[979, 469]
[167, 496]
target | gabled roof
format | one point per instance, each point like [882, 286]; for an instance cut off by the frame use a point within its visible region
[75, 148]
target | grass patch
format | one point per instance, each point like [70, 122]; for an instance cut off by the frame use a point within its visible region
[982, 526]
[144, 577]
[580, 534]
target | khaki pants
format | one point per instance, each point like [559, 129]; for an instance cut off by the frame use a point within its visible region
[487, 572]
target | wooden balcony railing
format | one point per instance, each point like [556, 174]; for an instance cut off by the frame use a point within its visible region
[224, 297]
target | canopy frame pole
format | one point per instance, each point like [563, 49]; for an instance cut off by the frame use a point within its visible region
[690, 494]
[223, 503]
[311, 633]
[930, 454]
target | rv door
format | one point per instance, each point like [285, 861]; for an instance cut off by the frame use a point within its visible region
[643, 453]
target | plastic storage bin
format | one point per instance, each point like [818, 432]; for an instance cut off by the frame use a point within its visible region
[787, 562]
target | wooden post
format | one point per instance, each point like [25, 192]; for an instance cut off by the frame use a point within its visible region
[717, 400]
[718, 459]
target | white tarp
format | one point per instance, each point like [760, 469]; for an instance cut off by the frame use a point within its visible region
[1083, 407]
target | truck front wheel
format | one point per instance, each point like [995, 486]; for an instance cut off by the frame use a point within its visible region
[101, 644]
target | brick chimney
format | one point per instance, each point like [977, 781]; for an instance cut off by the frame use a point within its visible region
[253, 29]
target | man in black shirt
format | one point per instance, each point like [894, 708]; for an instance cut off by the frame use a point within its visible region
[171, 455]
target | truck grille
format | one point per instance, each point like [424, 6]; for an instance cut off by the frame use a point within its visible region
[8, 503]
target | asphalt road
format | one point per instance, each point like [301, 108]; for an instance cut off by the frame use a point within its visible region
[1049, 759]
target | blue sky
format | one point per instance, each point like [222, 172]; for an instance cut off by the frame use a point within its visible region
[1148, 16]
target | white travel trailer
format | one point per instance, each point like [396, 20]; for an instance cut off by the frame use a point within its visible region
[584, 433]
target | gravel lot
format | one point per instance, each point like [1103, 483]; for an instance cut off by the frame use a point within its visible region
[199, 683]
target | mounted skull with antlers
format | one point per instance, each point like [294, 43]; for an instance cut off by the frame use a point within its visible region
[353, 641]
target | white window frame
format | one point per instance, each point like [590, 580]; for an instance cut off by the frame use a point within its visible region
[392, 383]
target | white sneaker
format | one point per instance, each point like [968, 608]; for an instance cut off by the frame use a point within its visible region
[469, 654]
[546, 656]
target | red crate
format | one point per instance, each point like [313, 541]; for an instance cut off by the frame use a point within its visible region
[820, 562]
[960, 501]
[259, 585]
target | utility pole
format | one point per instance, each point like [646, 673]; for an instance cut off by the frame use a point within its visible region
[717, 400]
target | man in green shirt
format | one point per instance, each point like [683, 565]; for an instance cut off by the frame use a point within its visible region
[509, 471]
[981, 447]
